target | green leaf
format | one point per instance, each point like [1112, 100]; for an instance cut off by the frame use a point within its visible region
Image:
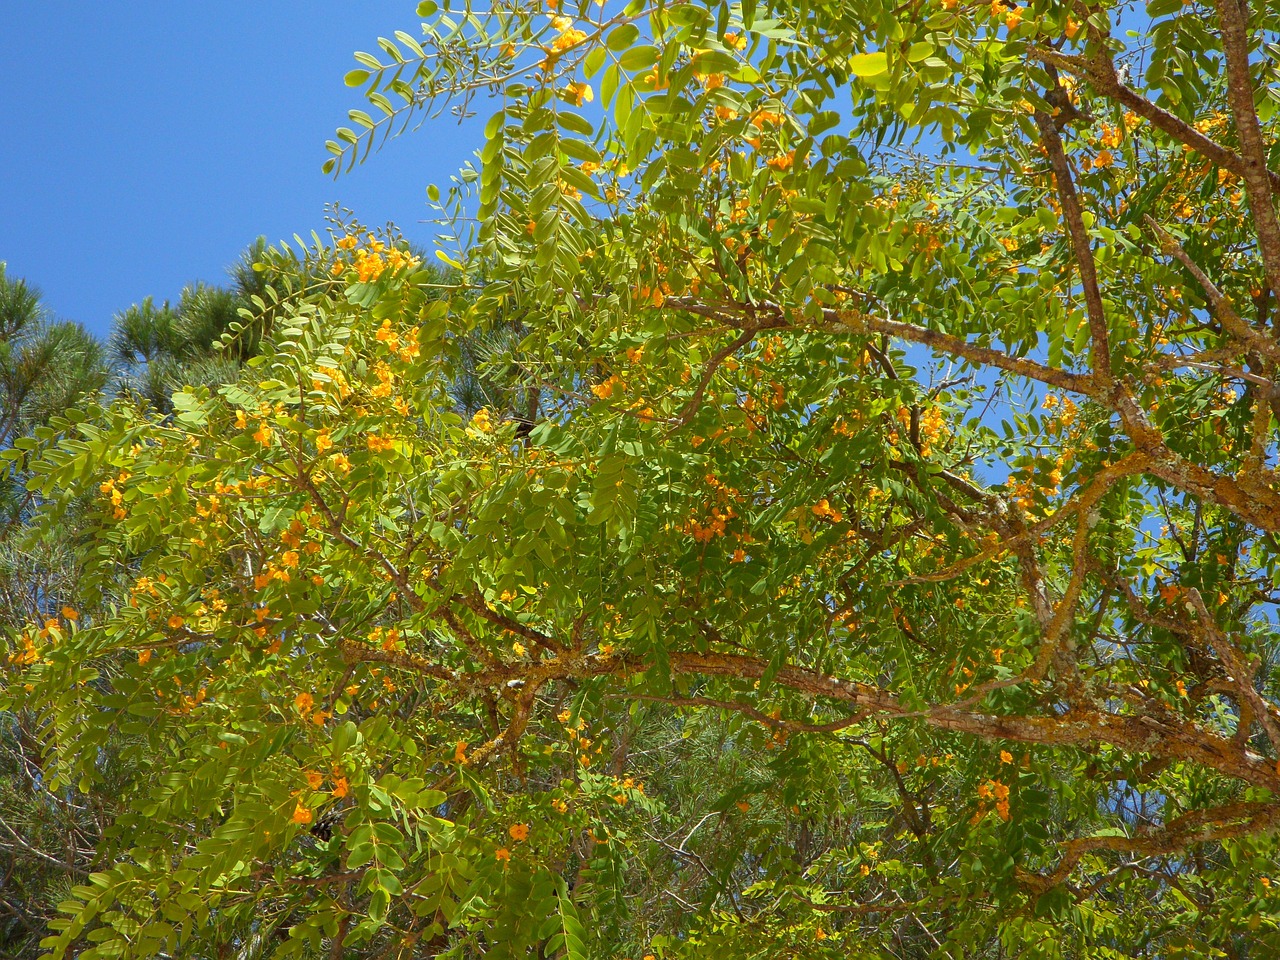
[622, 37]
[639, 58]
[868, 64]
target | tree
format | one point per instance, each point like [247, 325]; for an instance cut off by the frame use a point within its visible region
[46, 366]
[49, 840]
[777, 638]
[211, 331]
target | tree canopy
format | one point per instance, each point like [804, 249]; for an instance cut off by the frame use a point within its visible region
[866, 545]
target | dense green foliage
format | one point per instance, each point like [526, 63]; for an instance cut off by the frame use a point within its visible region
[48, 366]
[770, 542]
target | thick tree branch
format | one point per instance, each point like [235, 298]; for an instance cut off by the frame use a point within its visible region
[1233, 18]
[1074, 215]
[1102, 75]
[1223, 311]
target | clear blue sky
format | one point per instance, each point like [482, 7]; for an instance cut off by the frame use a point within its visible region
[149, 142]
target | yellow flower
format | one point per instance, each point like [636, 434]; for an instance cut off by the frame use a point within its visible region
[340, 463]
[568, 39]
[481, 421]
[824, 509]
[1013, 18]
[242, 422]
[323, 441]
[518, 649]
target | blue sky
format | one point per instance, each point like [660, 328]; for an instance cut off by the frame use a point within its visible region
[150, 142]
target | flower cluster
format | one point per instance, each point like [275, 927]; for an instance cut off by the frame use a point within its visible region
[404, 346]
[111, 489]
[993, 789]
[372, 260]
[825, 511]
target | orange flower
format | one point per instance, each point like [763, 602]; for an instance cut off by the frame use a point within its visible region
[460, 752]
[175, 622]
[519, 832]
[304, 702]
[301, 814]
[143, 657]
[503, 854]
[263, 435]
[70, 613]
[782, 161]
[314, 778]
[1006, 756]
[340, 788]
[824, 509]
